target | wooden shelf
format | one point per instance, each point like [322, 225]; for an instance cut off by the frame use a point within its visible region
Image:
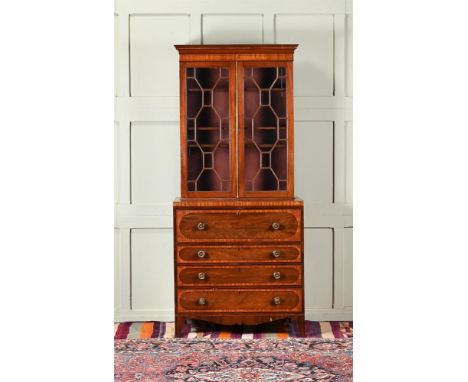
[208, 145]
[266, 127]
[266, 145]
[256, 90]
[217, 89]
[205, 128]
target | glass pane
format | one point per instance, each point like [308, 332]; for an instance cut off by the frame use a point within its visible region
[208, 150]
[265, 129]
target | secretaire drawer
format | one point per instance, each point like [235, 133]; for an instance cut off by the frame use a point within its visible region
[267, 275]
[245, 300]
[204, 254]
[238, 225]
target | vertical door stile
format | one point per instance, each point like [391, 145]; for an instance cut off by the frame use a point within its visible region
[234, 129]
[240, 128]
[237, 128]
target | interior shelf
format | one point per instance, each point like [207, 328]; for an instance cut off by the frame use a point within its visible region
[266, 127]
[207, 145]
[265, 145]
[205, 128]
[218, 89]
[255, 90]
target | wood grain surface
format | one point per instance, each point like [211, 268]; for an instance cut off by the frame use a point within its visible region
[223, 225]
[247, 275]
[240, 300]
[239, 254]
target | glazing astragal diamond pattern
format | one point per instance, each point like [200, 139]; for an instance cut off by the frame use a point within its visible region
[208, 129]
[266, 128]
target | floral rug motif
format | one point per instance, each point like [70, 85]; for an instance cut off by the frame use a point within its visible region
[244, 360]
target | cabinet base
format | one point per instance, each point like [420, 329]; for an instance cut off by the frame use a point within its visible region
[240, 320]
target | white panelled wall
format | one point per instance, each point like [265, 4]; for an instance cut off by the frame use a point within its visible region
[147, 139]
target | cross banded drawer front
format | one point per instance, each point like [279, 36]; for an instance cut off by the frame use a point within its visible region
[246, 225]
[246, 300]
[244, 275]
[227, 254]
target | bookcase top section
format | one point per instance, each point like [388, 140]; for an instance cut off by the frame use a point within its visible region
[236, 52]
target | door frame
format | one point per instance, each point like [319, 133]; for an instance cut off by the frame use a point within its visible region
[232, 129]
[289, 193]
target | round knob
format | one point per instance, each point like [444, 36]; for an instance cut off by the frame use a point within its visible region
[276, 300]
[202, 301]
[275, 226]
[201, 276]
[276, 253]
[201, 226]
[276, 275]
[201, 253]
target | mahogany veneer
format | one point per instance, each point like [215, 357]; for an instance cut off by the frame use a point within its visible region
[241, 300]
[219, 269]
[238, 230]
[212, 254]
[246, 275]
[234, 225]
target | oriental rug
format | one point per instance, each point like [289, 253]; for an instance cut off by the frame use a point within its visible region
[244, 360]
[279, 329]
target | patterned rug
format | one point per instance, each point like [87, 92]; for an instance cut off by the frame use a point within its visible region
[280, 329]
[206, 360]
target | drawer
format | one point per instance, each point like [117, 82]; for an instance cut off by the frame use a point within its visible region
[205, 254]
[245, 300]
[243, 275]
[239, 225]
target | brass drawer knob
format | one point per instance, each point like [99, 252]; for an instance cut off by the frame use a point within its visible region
[201, 276]
[201, 253]
[276, 275]
[201, 226]
[202, 301]
[276, 253]
[275, 226]
[276, 300]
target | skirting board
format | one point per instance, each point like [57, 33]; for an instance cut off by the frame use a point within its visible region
[168, 315]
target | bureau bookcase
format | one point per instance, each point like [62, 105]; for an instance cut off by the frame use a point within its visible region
[238, 229]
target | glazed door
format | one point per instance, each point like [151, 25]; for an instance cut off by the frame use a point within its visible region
[266, 141]
[208, 132]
